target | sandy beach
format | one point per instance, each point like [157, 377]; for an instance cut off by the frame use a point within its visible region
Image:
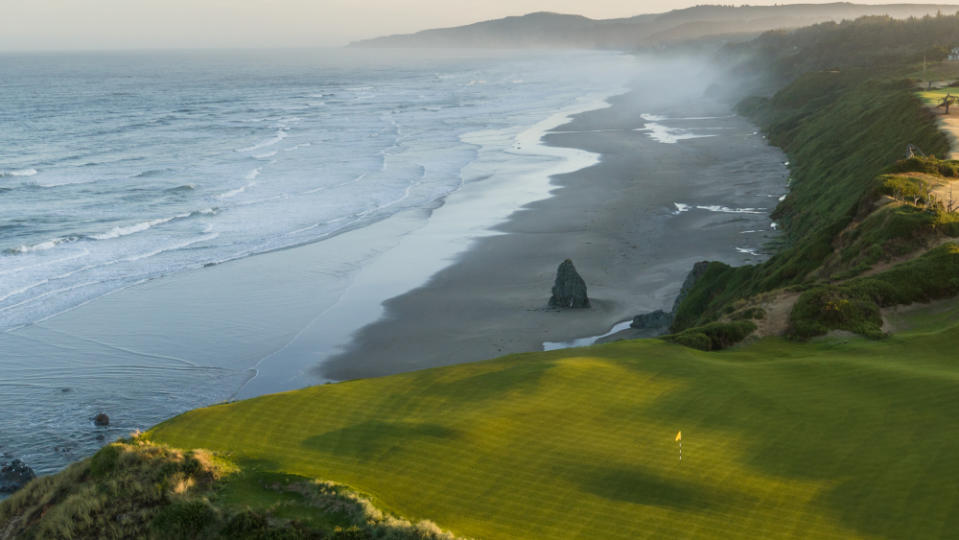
[618, 221]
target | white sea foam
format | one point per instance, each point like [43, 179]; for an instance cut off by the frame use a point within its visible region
[276, 139]
[18, 269]
[253, 174]
[45, 245]
[747, 251]
[267, 155]
[24, 289]
[682, 207]
[119, 231]
[47, 294]
[19, 172]
[669, 135]
[173, 247]
[68, 182]
[298, 146]
[728, 210]
[234, 192]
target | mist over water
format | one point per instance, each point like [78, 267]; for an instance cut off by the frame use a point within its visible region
[118, 168]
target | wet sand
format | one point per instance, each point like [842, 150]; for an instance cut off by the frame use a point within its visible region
[617, 221]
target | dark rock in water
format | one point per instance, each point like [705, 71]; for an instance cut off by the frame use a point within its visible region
[691, 278]
[569, 291]
[101, 420]
[14, 476]
[652, 320]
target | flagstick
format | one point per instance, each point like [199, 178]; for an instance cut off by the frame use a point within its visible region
[680, 450]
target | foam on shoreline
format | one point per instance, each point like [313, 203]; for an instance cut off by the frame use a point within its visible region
[491, 192]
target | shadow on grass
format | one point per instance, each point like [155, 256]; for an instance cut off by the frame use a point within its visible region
[624, 483]
[492, 384]
[369, 439]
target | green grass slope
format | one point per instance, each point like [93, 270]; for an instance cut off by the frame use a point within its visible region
[781, 439]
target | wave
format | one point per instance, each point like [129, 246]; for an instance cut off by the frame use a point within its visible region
[184, 187]
[22, 290]
[43, 246]
[60, 184]
[659, 118]
[280, 135]
[18, 269]
[668, 135]
[682, 207]
[267, 155]
[253, 174]
[19, 172]
[728, 210]
[50, 293]
[174, 247]
[234, 192]
[153, 172]
[119, 231]
[747, 251]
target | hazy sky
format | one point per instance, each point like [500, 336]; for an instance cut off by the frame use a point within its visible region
[100, 24]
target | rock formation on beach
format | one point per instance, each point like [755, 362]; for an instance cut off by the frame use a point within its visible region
[569, 290]
[14, 476]
[101, 420]
[661, 320]
[652, 320]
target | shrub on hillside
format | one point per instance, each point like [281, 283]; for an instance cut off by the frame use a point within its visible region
[928, 165]
[855, 305]
[714, 336]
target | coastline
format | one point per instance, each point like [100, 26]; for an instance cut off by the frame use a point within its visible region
[619, 222]
[253, 325]
[467, 280]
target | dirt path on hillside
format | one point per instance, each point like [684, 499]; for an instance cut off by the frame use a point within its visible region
[777, 306]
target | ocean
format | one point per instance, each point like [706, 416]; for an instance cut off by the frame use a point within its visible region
[116, 168]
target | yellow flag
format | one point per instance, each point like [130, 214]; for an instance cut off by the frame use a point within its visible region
[679, 436]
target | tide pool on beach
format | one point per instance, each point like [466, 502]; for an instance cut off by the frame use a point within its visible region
[459, 272]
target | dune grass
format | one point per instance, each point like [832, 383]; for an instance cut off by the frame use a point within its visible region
[828, 439]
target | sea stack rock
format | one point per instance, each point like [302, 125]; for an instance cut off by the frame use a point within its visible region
[101, 420]
[14, 476]
[569, 291]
